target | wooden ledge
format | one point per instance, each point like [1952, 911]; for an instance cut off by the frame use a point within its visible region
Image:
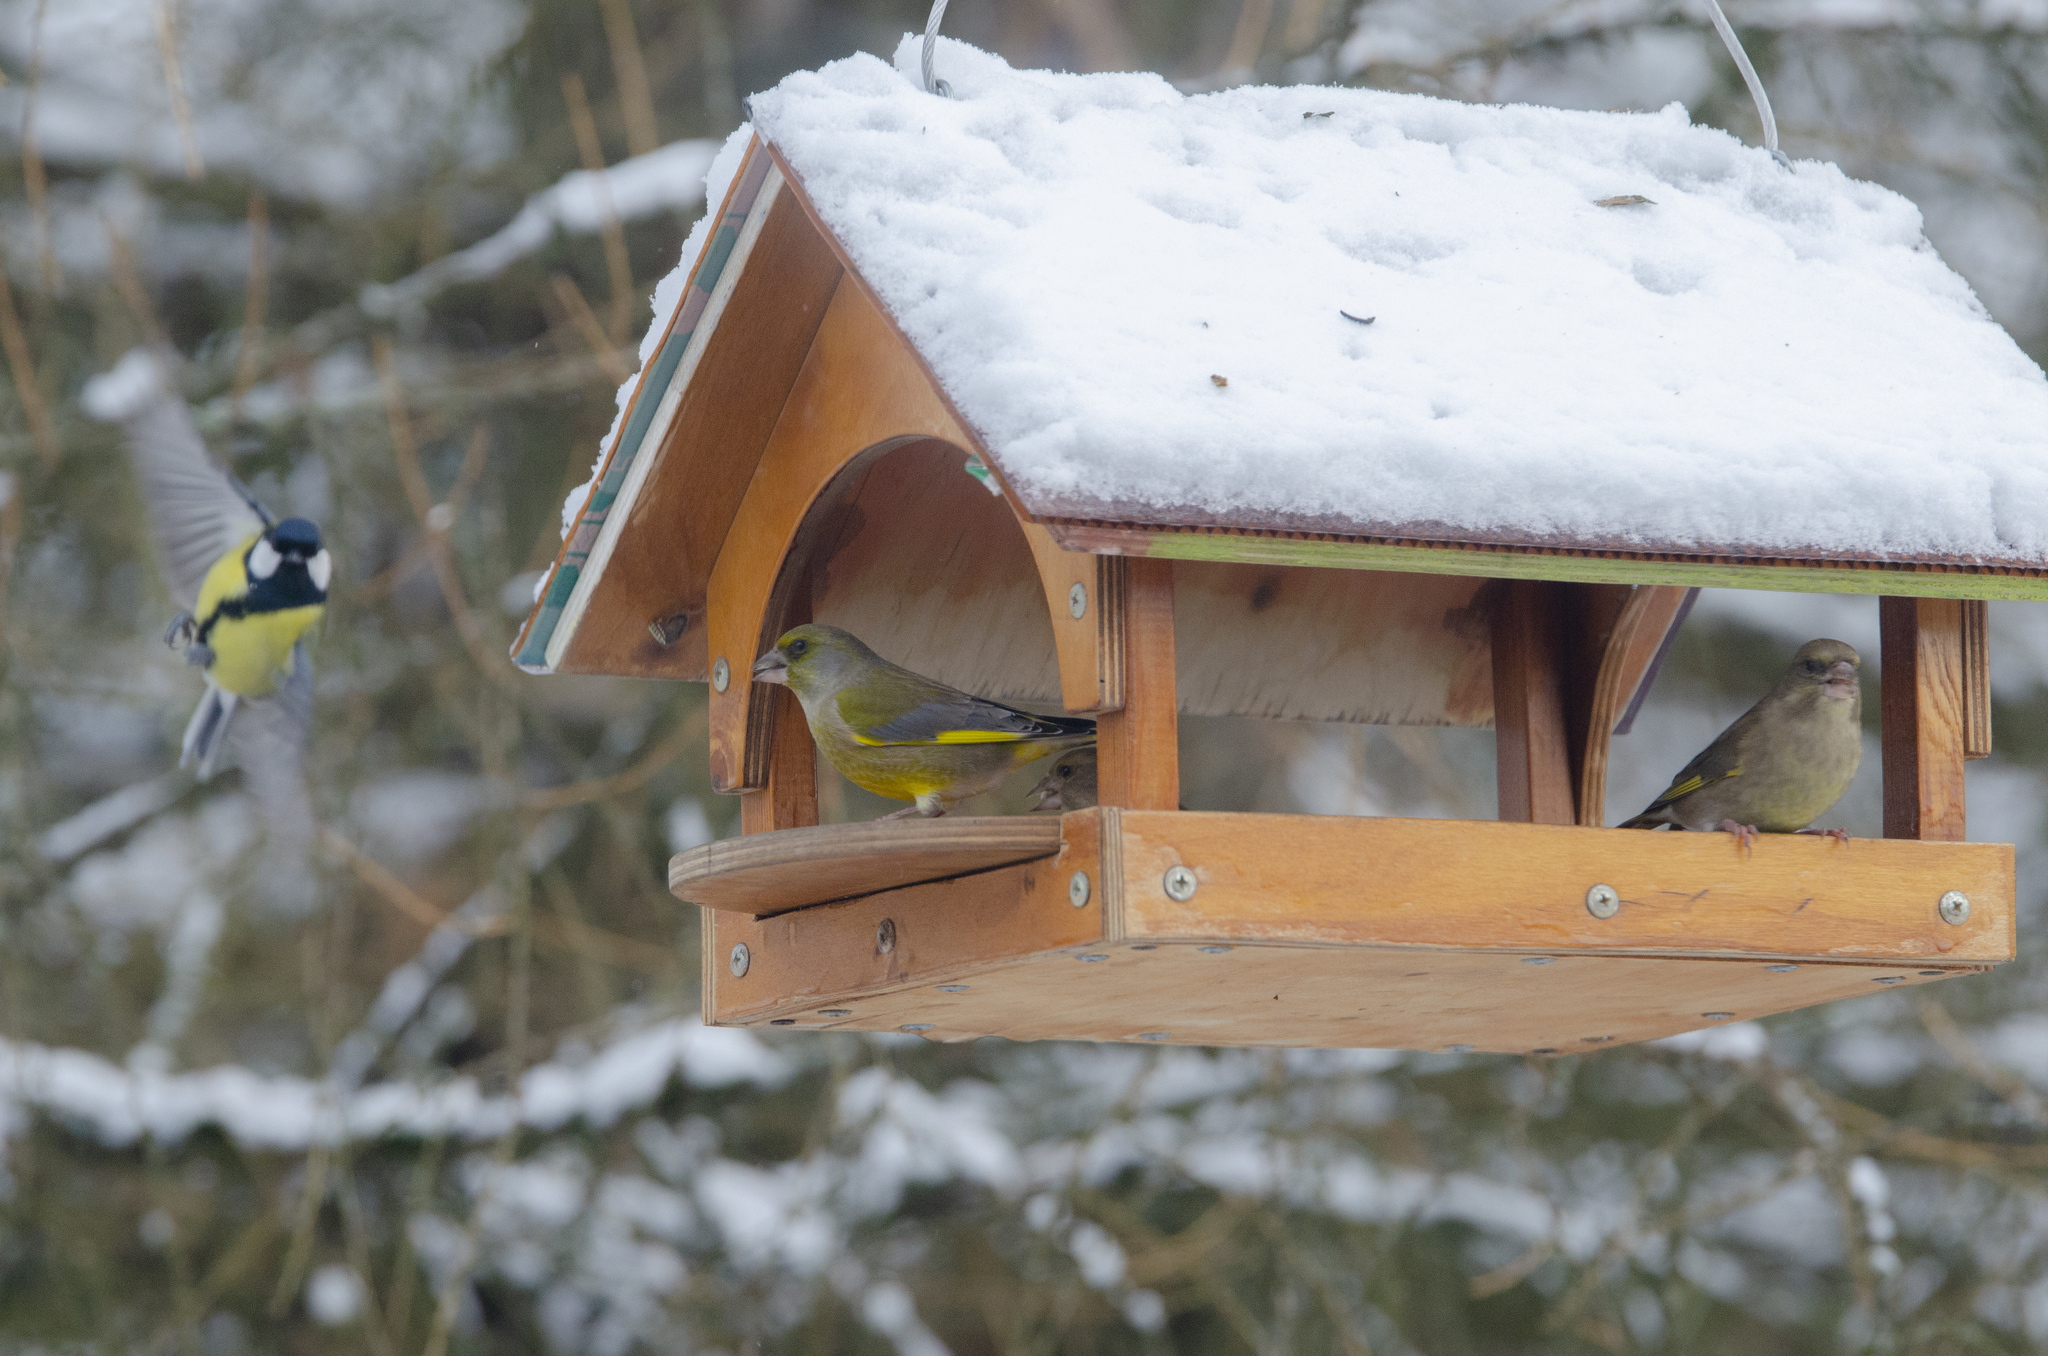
[767, 873]
[1330, 931]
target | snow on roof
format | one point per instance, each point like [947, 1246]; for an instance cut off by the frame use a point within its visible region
[1143, 303]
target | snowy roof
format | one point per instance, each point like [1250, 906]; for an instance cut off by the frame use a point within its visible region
[1347, 311]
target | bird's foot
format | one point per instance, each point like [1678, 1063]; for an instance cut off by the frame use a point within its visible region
[199, 656]
[1745, 834]
[904, 813]
[916, 811]
[1839, 835]
[182, 629]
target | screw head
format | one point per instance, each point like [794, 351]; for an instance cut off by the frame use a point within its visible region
[782, 1021]
[1077, 601]
[1212, 950]
[721, 674]
[952, 988]
[885, 936]
[915, 1026]
[1179, 883]
[1780, 969]
[1155, 1035]
[1538, 960]
[1889, 979]
[1077, 890]
[1718, 1016]
[1094, 956]
[1457, 1049]
[1955, 907]
[740, 959]
[835, 1012]
[1602, 901]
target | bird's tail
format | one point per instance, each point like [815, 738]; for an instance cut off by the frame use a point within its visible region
[1646, 821]
[206, 734]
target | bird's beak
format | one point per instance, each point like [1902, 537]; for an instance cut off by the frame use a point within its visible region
[771, 668]
[1842, 672]
[1046, 795]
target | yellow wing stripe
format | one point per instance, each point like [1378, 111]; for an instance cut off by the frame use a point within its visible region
[952, 737]
[1692, 784]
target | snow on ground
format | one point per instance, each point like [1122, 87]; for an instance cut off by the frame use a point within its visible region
[1758, 358]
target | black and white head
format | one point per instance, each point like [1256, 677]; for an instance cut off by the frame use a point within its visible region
[291, 545]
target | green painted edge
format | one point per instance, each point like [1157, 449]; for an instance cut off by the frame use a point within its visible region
[1345, 555]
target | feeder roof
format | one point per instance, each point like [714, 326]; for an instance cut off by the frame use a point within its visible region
[1143, 303]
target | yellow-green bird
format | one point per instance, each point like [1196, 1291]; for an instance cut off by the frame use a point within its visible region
[1070, 785]
[251, 586]
[902, 735]
[1784, 763]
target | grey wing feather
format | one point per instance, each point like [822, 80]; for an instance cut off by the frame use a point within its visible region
[195, 512]
[926, 722]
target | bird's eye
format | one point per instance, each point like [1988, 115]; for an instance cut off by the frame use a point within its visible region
[1816, 666]
[799, 646]
[1065, 769]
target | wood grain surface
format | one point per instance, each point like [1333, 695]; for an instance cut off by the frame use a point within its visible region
[1923, 721]
[766, 873]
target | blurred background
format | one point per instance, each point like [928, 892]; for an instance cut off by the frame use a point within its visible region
[454, 1096]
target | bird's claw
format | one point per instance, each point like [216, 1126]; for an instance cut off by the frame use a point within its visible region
[183, 628]
[914, 811]
[1745, 834]
[1839, 835]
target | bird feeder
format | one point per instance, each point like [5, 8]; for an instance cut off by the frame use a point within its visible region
[1302, 404]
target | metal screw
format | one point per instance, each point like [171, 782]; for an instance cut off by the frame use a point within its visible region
[1602, 901]
[885, 936]
[1457, 1049]
[1538, 960]
[915, 1026]
[1889, 979]
[1155, 1035]
[1179, 883]
[1149, 946]
[1077, 601]
[1595, 1040]
[1955, 907]
[740, 957]
[1781, 969]
[782, 1021]
[952, 988]
[835, 1012]
[1212, 950]
[1094, 956]
[1077, 890]
[1717, 1016]
[721, 674]
[1544, 1050]
[1932, 974]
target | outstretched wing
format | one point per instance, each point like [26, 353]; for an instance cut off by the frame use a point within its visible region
[960, 719]
[196, 513]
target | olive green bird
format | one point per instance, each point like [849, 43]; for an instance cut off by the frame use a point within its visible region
[902, 735]
[1070, 785]
[1784, 763]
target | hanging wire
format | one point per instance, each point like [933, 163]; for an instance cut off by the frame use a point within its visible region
[931, 43]
[1721, 26]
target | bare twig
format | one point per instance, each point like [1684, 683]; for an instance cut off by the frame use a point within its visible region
[435, 519]
[636, 104]
[566, 930]
[301, 1248]
[615, 260]
[256, 301]
[33, 178]
[2007, 1084]
[397, 893]
[621, 783]
[21, 367]
[10, 535]
[405, 1267]
[174, 78]
[128, 281]
[592, 332]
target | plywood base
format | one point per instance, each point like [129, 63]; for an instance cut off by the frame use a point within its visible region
[1304, 931]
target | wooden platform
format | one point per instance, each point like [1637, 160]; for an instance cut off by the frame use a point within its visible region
[1312, 931]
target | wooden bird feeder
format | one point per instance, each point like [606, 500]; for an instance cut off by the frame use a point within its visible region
[790, 454]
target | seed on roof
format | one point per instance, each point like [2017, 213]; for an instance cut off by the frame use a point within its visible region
[1331, 114]
[1626, 200]
[1361, 319]
[1220, 381]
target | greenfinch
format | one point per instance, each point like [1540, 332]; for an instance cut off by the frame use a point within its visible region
[251, 586]
[1784, 763]
[1070, 785]
[902, 735]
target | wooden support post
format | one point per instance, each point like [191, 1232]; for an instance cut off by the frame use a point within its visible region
[1139, 748]
[1923, 716]
[1976, 678]
[790, 799]
[1613, 635]
[1090, 644]
[1531, 752]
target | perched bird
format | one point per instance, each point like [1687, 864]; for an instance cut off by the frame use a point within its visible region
[1070, 785]
[1783, 763]
[252, 586]
[903, 735]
